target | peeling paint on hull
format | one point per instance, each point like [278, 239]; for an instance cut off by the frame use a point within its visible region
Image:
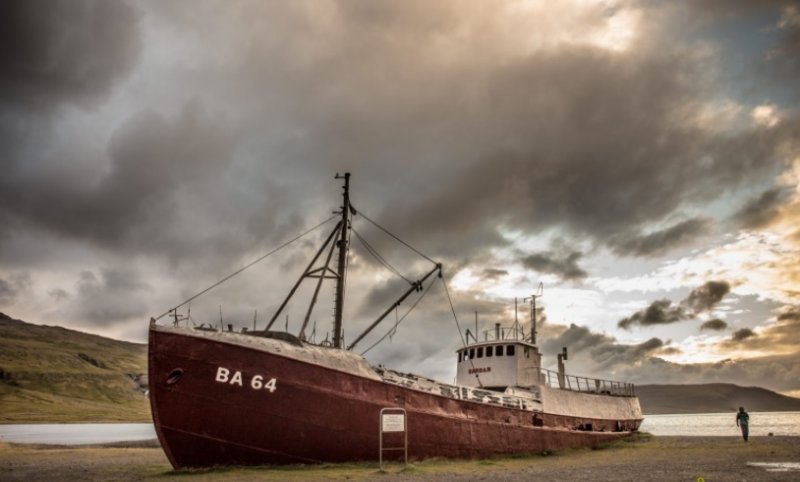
[323, 414]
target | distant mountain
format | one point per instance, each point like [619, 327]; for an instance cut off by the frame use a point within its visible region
[52, 374]
[712, 398]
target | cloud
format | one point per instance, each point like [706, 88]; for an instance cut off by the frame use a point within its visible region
[660, 242]
[7, 292]
[668, 350]
[493, 273]
[781, 336]
[759, 211]
[152, 159]
[742, 334]
[564, 265]
[705, 297]
[56, 51]
[716, 324]
[660, 312]
[592, 353]
[783, 57]
[793, 314]
[109, 297]
[12, 286]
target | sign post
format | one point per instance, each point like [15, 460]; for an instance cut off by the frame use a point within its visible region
[393, 420]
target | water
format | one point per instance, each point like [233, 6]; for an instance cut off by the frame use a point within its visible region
[701, 424]
[722, 424]
[77, 433]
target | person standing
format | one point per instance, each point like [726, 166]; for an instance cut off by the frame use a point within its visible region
[743, 422]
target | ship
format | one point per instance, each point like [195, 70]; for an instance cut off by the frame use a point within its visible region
[269, 397]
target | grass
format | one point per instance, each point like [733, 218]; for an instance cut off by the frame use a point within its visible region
[52, 374]
[670, 455]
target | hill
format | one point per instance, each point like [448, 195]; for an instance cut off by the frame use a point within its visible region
[712, 398]
[52, 374]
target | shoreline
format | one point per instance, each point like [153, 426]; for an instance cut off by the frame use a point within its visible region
[659, 457]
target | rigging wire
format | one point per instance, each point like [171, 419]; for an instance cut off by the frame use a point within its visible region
[453, 310]
[394, 328]
[378, 256]
[395, 237]
[458, 326]
[249, 265]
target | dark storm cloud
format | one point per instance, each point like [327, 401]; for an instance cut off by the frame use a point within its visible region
[478, 133]
[58, 294]
[478, 139]
[660, 242]
[54, 51]
[133, 206]
[790, 315]
[493, 273]
[109, 297]
[781, 336]
[707, 296]
[659, 312]
[668, 350]
[742, 334]
[590, 351]
[11, 286]
[595, 184]
[7, 292]
[760, 210]
[564, 265]
[783, 57]
[700, 299]
[716, 324]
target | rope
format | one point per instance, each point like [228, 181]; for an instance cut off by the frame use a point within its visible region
[458, 326]
[394, 328]
[378, 256]
[395, 237]
[249, 265]
[453, 310]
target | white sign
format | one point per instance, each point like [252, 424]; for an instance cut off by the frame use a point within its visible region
[393, 422]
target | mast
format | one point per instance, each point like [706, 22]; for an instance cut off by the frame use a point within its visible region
[539, 293]
[342, 245]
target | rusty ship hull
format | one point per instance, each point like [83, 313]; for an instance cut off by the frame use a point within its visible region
[321, 408]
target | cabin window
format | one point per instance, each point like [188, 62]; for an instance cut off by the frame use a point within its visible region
[498, 350]
[510, 350]
[471, 353]
[480, 352]
[489, 351]
[460, 357]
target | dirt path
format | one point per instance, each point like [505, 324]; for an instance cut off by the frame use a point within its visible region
[644, 459]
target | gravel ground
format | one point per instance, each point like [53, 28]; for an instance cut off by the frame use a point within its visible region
[642, 459]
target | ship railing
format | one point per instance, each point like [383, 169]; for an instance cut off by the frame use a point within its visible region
[576, 383]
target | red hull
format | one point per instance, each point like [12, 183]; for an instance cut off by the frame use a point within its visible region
[319, 414]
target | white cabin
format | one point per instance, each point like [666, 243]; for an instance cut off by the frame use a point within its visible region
[498, 364]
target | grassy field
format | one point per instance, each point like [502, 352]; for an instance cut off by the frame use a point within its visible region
[640, 458]
[51, 374]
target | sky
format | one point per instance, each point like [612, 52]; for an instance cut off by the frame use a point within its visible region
[639, 159]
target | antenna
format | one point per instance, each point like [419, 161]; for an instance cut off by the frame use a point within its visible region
[539, 293]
